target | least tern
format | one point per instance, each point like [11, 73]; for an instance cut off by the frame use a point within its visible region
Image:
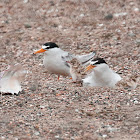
[53, 59]
[101, 74]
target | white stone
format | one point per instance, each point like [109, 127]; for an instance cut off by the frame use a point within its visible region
[76, 110]
[100, 25]
[123, 22]
[25, 1]
[60, 27]
[42, 107]
[131, 3]
[57, 136]
[82, 15]
[136, 102]
[136, 9]
[36, 133]
[120, 14]
[104, 135]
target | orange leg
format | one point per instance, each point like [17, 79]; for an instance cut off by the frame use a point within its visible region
[58, 77]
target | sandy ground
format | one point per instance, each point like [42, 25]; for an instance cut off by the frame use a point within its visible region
[49, 109]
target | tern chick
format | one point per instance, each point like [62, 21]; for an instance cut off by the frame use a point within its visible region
[76, 69]
[129, 83]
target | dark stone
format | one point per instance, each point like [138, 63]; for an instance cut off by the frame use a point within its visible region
[27, 26]
[108, 16]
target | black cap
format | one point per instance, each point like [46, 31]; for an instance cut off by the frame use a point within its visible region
[98, 61]
[50, 45]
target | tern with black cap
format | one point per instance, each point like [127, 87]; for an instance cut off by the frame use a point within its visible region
[53, 59]
[101, 74]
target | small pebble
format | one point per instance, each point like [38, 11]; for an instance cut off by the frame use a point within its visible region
[39, 28]
[2, 137]
[136, 9]
[109, 17]
[25, 1]
[111, 129]
[136, 102]
[100, 25]
[33, 88]
[123, 22]
[138, 42]
[27, 26]
[2, 21]
[36, 133]
[82, 15]
[120, 14]
[131, 3]
[76, 110]
[57, 136]
[60, 27]
[52, 3]
[104, 135]
[42, 107]
[118, 30]
[131, 34]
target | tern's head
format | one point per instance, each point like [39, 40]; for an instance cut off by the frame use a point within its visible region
[97, 62]
[47, 46]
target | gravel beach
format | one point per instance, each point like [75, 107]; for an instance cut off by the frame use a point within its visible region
[51, 109]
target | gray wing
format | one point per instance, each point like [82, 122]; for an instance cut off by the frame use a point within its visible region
[66, 58]
[12, 70]
[85, 59]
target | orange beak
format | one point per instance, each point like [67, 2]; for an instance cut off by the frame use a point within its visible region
[40, 51]
[89, 67]
[68, 61]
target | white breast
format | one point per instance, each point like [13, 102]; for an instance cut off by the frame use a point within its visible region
[54, 63]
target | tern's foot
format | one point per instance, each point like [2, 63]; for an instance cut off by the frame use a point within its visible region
[58, 77]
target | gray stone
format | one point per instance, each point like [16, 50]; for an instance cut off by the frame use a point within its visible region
[138, 42]
[131, 34]
[33, 87]
[27, 26]
[108, 16]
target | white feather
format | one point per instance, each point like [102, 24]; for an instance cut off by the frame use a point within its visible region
[11, 78]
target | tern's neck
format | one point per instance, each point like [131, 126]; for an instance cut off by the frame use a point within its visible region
[103, 68]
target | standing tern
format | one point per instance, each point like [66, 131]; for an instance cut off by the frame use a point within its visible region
[101, 74]
[53, 59]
